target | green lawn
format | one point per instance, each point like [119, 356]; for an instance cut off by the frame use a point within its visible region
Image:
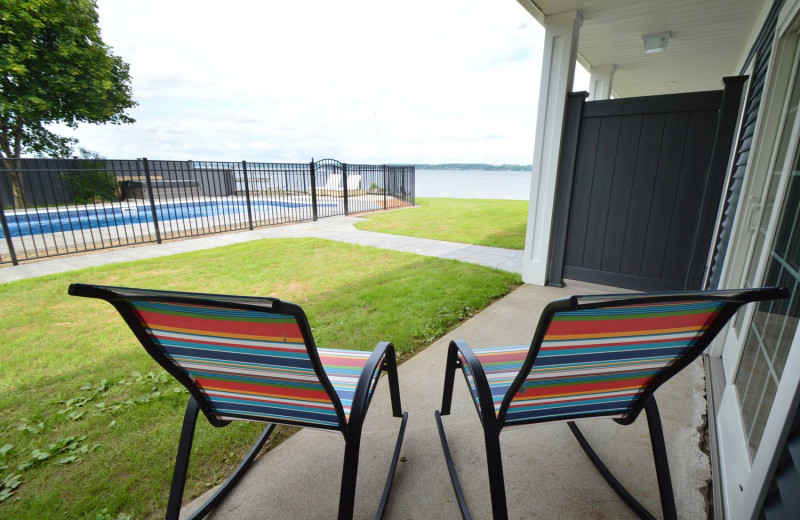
[483, 222]
[90, 423]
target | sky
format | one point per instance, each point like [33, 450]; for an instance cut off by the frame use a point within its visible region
[361, 81]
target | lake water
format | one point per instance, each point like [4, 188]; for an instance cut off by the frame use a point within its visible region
[473, 184]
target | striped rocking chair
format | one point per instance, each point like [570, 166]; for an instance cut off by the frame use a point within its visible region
[591, 356]
[254, 359]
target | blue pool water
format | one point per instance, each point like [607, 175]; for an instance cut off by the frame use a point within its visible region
[32, 223]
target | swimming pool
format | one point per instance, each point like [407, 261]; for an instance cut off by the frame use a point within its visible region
[63, 220]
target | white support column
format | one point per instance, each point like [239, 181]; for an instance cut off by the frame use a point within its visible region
[601, 81]
[558, 70]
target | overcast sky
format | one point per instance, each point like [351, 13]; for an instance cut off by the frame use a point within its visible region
[362, 81]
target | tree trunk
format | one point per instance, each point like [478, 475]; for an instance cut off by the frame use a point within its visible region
[13, 169]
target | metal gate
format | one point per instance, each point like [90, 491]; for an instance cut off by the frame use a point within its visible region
[331, 186]
[640, 182]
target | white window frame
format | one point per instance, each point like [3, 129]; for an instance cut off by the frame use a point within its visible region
[744, 483]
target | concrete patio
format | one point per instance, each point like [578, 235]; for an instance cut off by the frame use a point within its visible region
[547, 474]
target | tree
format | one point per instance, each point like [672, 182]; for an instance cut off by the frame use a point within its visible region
[54, 68]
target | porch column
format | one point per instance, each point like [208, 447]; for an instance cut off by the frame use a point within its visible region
[558, 70]
[600, 82]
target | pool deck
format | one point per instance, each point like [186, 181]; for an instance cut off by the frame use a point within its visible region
[547, 474]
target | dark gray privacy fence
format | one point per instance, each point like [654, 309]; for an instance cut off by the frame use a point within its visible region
[52, 207]
[640, 184]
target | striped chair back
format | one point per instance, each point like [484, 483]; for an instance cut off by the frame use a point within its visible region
[605, 355]
[242, 358]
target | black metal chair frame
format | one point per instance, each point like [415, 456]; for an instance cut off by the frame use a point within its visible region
[383, 356]
[493, 424]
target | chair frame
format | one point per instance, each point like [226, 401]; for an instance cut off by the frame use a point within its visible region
[493, 422]
[382, 358]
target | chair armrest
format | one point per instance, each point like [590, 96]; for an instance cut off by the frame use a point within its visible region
[384, 352]
[486, 410]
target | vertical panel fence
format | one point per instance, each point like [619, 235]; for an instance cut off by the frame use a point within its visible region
[51, 207]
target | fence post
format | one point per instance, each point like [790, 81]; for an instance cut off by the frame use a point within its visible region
[152, 200]
[344, 188]
[6, 231]
[247, 194]
[313, 191]
[412, 184]
[385, 187]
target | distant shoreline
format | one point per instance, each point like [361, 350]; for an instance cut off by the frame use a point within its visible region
[473, 184]
[485, 167]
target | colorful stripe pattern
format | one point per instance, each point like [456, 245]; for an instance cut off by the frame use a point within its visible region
[595, 362]
[250, 365]
[343, 368]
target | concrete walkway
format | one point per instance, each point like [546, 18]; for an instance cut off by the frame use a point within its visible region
[333, 228]
[547, 474]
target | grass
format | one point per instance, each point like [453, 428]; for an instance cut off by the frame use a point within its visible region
[90, 423]
[482, 222]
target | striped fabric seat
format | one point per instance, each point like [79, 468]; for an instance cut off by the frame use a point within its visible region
[264, 374]
[596, 362]
[343, 368]
[593, 362]
[501, 365]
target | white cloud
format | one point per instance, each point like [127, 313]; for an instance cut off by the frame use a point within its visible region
[358, 80]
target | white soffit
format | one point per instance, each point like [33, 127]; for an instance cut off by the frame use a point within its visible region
[708, 40]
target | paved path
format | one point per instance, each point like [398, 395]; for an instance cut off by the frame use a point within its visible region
[334, 228]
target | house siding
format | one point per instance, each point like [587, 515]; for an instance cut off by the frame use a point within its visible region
[759, 58]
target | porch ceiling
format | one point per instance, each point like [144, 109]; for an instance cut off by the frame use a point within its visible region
[709, 39]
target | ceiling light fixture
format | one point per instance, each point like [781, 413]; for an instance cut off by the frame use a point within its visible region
[655, 43]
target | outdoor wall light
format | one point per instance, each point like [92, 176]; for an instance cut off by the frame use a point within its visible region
[655, 43]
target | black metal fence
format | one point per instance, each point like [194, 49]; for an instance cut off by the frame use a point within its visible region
[52, 207]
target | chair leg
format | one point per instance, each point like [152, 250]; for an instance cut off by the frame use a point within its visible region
[182, 465]
[347, 493]
[662, 467]
[494, 465]
[660, 458]
[182, 460]
[231, 481]
[448, 457]
[392, 468]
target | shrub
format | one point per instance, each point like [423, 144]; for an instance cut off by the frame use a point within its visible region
[91, 185]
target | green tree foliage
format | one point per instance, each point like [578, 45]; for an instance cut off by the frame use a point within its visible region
[90, 182]
[55, 68]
